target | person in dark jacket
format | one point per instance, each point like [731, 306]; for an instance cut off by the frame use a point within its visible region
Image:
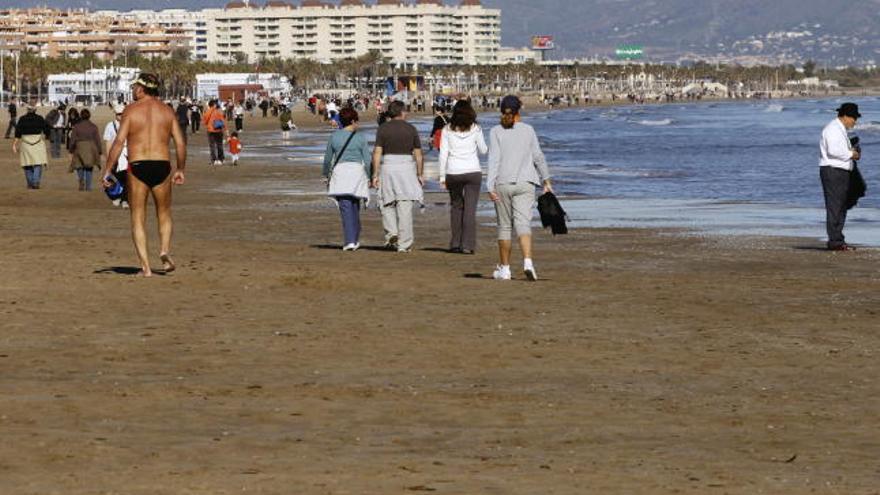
[13, 113]
[31, 133]
[182, 113]
[86, 147]
[440, 122]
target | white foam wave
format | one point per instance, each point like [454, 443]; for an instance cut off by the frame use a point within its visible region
[868, 127]
[655, 122]
[774, 108]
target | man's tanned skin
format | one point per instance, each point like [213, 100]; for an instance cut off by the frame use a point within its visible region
[147, 125]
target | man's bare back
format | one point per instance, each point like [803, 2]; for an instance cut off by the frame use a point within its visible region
[151, 125]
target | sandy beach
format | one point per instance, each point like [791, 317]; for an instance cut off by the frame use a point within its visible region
[642, 362]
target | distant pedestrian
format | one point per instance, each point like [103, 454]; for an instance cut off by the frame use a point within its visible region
[13, 114]
[215, 124]
[86, 149]
[347, 171]
[836, 156]
[461, 143]
[440, 122]
[234, 147]
[238, 114]
[120, 169]
[516, 167]
[286, 121]
[31, 133]
[57, 119]
[398, 174]
[182, 114]
[195, 116]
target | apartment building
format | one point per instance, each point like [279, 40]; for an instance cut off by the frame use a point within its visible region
[192, 23]
[424, 31]
[77, 32]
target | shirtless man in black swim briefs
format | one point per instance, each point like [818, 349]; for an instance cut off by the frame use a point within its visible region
[147, 125]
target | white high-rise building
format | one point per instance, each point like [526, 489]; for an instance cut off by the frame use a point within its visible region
[426, 31]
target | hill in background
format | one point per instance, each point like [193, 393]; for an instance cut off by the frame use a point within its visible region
[835, 32]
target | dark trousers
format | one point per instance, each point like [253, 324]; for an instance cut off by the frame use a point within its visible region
[215, 142]
[122, 177]
[835, 185]
[195, 123]
[239, 123]
[10, 128]
[464, 193]
[349, 210]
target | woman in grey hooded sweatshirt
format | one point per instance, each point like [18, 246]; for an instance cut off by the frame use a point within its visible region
[461, 143]
[516, 167]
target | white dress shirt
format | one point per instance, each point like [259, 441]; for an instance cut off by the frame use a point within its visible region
[834, 148]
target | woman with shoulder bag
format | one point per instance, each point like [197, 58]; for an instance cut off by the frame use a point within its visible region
[347, 168]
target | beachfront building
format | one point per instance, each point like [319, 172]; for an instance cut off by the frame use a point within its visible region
[192, 23]
[426, 31]
[518, 56]
[77, 32]
[92, 86]
[210, 86]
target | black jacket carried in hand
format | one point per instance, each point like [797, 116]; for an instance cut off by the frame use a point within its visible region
[857, 188]
[552, 214]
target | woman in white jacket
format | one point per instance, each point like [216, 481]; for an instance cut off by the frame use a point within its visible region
[460, 174]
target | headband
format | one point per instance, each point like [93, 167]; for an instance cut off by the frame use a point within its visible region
[146, 84]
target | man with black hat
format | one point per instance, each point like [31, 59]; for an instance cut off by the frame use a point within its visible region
[836, 157]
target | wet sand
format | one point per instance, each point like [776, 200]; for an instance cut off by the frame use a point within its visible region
[270, 362]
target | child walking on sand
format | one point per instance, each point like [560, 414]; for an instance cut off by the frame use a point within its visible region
[234, 147]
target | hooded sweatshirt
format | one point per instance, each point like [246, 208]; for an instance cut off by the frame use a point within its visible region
[458, 151]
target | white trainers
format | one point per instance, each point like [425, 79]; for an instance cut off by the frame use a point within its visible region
[125, 205]
[529, 270]
[117, 202]
[502, 272]
[351, 247]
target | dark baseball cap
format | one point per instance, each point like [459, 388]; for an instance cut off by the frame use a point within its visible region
[849, 110]
[511, 102]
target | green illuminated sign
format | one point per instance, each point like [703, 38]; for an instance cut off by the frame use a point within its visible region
[630, 52]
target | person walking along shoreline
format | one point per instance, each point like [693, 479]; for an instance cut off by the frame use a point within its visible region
[147, 126]
[516, 166]
[398, 174]
[460, 174]
[215, 125]
[347, 170]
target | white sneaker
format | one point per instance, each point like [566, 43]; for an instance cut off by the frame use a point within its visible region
[351, 247]
[529, 270]
[502, 272]
[117, 202]
[125, 205]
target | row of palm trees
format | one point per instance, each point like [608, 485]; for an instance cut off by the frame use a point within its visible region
[178, 73]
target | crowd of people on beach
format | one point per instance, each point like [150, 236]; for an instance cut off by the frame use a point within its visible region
[394, 167]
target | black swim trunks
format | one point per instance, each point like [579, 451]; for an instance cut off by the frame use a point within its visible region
[151, 172]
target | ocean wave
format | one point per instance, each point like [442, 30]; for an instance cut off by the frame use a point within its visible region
[662, 122]
[774, 108]
[872, 126]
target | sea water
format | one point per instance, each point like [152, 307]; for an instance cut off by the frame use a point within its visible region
[747, 167]
[739, 167]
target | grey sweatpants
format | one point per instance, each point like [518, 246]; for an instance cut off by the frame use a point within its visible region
[514, 209]
[835, 185]
[397, 220]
